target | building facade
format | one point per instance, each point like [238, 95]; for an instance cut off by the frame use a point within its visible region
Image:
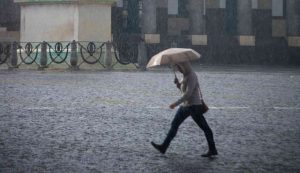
[223, 31]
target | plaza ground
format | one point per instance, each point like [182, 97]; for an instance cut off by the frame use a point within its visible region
[104, 121]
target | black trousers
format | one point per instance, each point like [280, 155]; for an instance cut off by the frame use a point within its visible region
[181, 115]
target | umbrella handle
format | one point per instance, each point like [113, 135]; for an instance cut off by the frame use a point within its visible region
[174, 73]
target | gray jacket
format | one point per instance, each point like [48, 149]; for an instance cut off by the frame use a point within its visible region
[189, 87]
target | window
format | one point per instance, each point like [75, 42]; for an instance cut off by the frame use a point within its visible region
[133, 18]
[231, 17]
[173, 7]
[131, 13]
[182, 10]
[277, 8]
[254, 4]
[222, 3]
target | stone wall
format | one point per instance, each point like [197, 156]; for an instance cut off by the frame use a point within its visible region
[49, 22]
[67, 20]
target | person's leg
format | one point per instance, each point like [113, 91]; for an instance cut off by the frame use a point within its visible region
[201, 122]
[181, 114]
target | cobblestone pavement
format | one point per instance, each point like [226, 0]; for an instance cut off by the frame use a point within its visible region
[97, 121]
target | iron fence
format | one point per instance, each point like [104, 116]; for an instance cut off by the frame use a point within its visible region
[73, 54]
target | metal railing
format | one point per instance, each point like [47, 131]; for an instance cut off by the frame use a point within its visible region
[73, 54]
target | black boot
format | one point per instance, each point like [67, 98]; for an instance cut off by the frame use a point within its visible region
[160, 148]
[211, 152]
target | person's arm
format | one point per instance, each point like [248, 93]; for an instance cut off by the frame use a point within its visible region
[178, 84]
[191, 84]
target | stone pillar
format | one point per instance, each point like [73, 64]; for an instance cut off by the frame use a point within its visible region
[244, 14]
[108, 57]
[142, 57]
[74, 58]
[149, 32]
[14, 57]
[197, 17]
[244, 23]
[198, 22]
[149, 17]
[43, 60]
[293, 24]
[293, 30]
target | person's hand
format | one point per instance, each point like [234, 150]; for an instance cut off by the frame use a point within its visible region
[176, 81]
[172, 106]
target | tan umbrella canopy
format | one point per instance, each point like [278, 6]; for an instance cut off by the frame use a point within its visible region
[173, 56]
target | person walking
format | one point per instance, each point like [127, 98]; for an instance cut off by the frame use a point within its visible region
[192, 106]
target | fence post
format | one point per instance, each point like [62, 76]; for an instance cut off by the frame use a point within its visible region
[43, 60]
[108, 58]
[142, 56]
[74, 58]
[14, 57]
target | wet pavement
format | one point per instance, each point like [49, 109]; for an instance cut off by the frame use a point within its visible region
[100, 121]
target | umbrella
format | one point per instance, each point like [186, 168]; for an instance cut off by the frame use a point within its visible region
[173, 56]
